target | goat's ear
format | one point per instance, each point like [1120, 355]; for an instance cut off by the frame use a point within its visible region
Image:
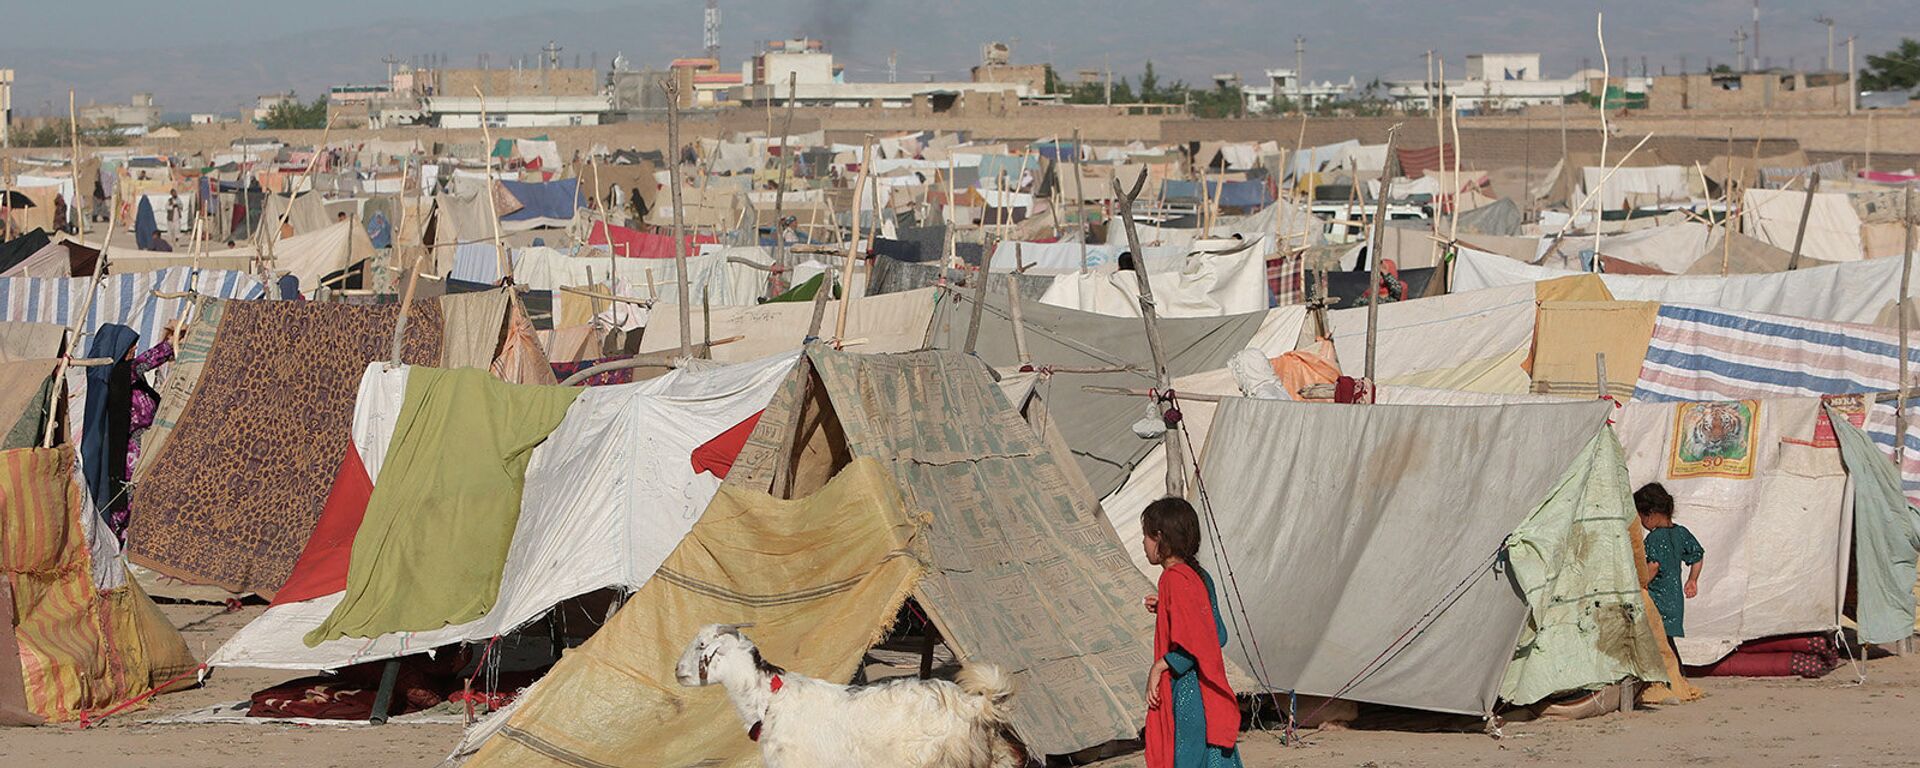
[734, 629]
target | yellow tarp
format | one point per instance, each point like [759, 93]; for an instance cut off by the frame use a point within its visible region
[80, 648]
[820, 578]
[1568, 336]
[1572, 288]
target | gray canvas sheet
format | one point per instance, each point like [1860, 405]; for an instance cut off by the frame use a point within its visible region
[1348, 524]
[1097, 426]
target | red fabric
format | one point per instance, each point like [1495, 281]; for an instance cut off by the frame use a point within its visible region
[717, 455]
[1414, 163]
[1815, 644]
[642, 245]
[1184, 618]
[1348, 389]
[322, 567]
[1613, 266]
[1746, 664]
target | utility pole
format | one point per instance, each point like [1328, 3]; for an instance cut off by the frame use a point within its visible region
[1109, 80]
[1853, 81]
[1430, 85]
[1299, 68]
[1740, 47]
[390, 60]
[712, 29]
[1756, 34]
[1827, 20]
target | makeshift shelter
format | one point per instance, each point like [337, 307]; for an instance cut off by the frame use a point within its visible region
[1411, 582]
[621, 461]
[1475, 341]
[127, 299]
[271, 407]
[1206, 285]
[542, 204]
[76, 635]
[1832, 227]
[894, 322]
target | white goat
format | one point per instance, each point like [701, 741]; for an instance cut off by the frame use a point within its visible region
[801, 722]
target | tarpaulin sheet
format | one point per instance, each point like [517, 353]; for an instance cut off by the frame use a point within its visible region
[1776, 540]
[542, 204]
[642, 245]
[894, 322]
[819, 578]
[1846, 293]
[1574, 561]
[81, 648]
[238, 485]
[1704, 354]
[608, 496]
[1886, 536]
[30, 341]
[1223, 194]
[1207, 285]
[1414, 163]
[431, 547]
[1568, 335]
[1659, 182]
[1098, 427]
[1832, 226]
[1473, 341]
[1388, 547]
[124, 299]
[1011, 535]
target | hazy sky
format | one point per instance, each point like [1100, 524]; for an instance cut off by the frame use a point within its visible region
[203, 55]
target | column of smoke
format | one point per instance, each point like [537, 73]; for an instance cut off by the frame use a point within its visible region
[835, 22]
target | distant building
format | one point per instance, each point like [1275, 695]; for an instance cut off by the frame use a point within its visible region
[263, 106]
[1285, 84]
[139, 113]
[639, 91]
[819, 82]
[207, 118]
[1767, 91]
[702, 85]
[1498, 82]
[513, 98]
[996, 66]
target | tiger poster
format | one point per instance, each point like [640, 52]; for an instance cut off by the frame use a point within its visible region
[1714, 440]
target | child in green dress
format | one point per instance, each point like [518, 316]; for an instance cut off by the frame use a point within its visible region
[1670, 546]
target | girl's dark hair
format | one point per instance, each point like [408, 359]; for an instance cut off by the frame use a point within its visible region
[1173, 521]
[1653, 499]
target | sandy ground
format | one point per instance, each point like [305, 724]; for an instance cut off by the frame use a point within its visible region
[1832, 721]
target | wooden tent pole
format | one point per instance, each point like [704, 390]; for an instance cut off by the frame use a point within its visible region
[493, 207]
[853, 245]
[1013, 306]
[1080, 204]
[71, 337]
[1387, 172]
[679, 220]
[73, 206]
[1800, 233]
[780, 255]
[979, 302]
[1726, 212]
[1906, 276]
[1176, 461]
[1606, 82]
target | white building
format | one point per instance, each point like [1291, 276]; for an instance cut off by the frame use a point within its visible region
[6, 107]
[517, 111]
[1285, 84]
[1494, 82]
[818, 81]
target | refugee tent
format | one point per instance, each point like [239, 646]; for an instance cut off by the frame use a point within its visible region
[78, 636]
[1206, 285]
[542, 204]
[608, 495]
[1832, 226]
[25, 395]
[1470, 340]
[234, 489]
[1630, 188]
[894, 322]
[819, 577]
[1410, 580]
[1098, 427]
[30, 341]
[1673, 250]
[1849, 293]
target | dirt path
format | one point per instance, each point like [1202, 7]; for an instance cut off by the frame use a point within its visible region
[1832, 721]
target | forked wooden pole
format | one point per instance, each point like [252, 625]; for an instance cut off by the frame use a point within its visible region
[1170, 440]
[780, 255]
[853, 246]
[679, 220]
[1387, 172]
[1806, 209]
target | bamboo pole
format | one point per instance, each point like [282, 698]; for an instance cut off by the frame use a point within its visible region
[679, 219]
[1176, 462]
[780, 256]
[1906, 277]
[1800, 233]
[853, 245]
[1387, 173]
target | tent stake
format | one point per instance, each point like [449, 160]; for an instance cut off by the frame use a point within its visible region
[1176, 461]
[1800, 233]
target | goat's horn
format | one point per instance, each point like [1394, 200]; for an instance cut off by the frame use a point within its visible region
[735, 628]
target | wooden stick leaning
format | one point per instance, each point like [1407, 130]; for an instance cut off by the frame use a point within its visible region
[1388, 170]
[679, 220]
[1080, 204]
[1806, 209]
[780, 256]
[1170, 440]
[1606, 81]
[1019, 327]
[70, 338]
[73, 206]
[493, 206]
[1562, 233]
[846, 278]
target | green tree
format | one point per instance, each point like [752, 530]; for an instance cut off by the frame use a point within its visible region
[292, 113]
[1895, 70]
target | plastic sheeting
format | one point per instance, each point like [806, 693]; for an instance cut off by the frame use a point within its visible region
[607, 498]
[1379, 532]
[1207, 285]
[1846, 293]
[543, 204]
[1474, 341]
[1833, 227]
